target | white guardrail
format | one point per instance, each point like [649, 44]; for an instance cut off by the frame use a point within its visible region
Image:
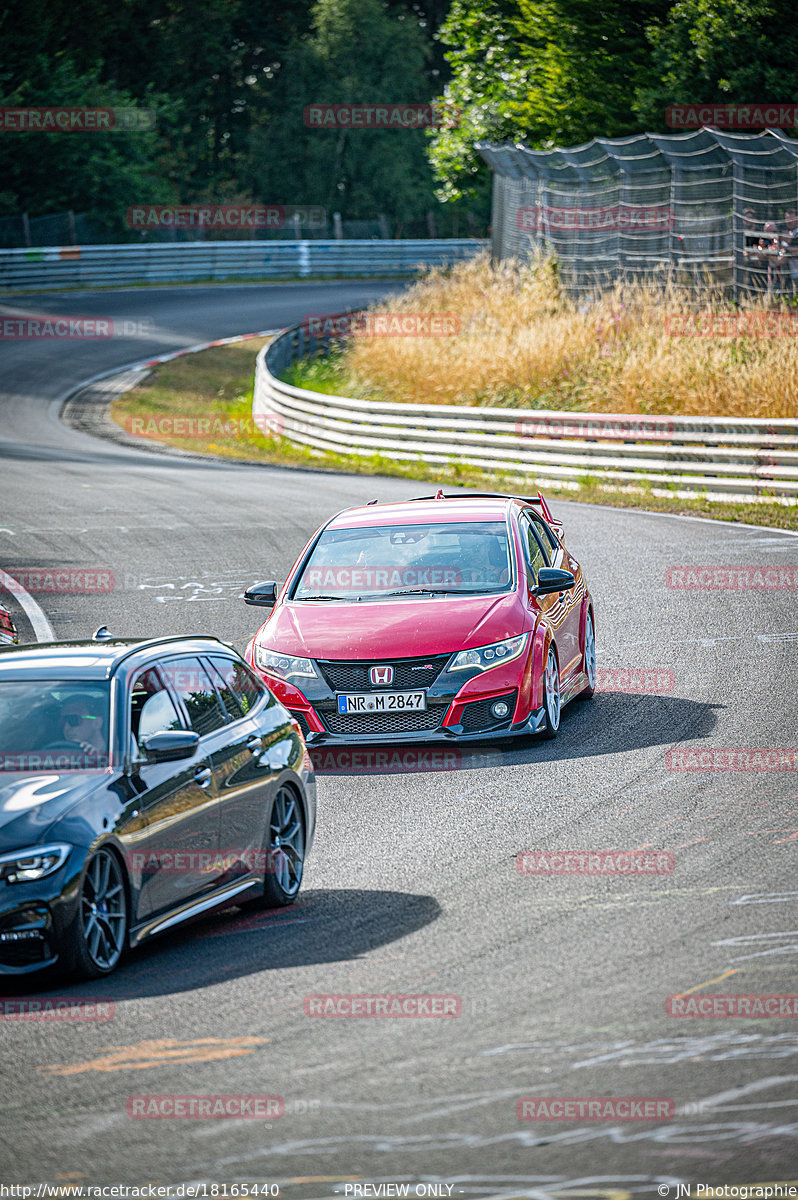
[177, 262]
[731, 458]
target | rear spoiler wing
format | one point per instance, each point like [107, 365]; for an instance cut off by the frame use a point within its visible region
[557, 526]
[538, 501]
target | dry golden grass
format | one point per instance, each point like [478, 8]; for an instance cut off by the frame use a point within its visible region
[523, 344]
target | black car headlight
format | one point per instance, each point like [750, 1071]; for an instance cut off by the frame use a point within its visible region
[485, 657]
[284, 666]
[32, 863]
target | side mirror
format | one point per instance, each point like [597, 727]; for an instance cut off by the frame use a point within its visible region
[552, 579]
[263, 595]
[170, 744]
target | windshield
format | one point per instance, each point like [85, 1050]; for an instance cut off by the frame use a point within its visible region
[463, 557]
[53, 725]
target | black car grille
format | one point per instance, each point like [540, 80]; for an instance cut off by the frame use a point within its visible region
[23, 953]
[362, 724]
[407, 673]
[477, 717]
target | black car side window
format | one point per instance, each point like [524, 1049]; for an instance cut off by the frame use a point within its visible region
[151, 709]
[188, 678]
[546, 536]
[239, 690]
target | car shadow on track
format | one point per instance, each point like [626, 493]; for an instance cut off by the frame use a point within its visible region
[609, 723]
[324, 926]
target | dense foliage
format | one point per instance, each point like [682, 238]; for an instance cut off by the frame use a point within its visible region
[229, 81]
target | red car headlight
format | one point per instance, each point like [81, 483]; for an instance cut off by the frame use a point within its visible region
[284, 666]
[493, 655]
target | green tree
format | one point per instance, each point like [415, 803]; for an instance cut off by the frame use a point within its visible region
[546, 72]
[487, 80]
[99, 173]
[213, 70]
[356, 53]
[727, 51]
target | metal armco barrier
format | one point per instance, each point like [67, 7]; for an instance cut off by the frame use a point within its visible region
[720, 457]
[105, 266]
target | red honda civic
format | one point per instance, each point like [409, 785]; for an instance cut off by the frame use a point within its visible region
[446, 618]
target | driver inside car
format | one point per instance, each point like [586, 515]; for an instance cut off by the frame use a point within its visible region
[484, 561]
[82, 722]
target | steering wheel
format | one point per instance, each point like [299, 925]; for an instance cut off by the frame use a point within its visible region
[65, 747]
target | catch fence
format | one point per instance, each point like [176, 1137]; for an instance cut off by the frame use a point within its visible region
[707, 210]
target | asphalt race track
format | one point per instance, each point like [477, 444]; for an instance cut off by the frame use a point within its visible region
[413, 886]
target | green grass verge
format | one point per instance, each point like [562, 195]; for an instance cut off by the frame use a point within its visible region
[216, 386]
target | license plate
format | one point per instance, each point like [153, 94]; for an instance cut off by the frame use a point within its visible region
[365, 702]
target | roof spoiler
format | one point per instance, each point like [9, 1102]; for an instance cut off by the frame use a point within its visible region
[557, 526]
[536, 500]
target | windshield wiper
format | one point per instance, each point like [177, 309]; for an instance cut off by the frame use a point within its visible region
[424, 592]
[320, 597]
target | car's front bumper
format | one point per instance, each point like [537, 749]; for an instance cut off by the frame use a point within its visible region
[35, 919]
[458, 703]
[442, 735]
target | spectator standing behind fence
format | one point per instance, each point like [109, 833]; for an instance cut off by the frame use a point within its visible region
[773, 256]
[754, 245]
[790, 242]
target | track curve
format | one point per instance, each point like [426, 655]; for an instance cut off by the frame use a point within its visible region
[413, 887]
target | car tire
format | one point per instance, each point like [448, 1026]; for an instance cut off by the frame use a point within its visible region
[552, 706]
[589, 658]
[285, 852]
[98, 936]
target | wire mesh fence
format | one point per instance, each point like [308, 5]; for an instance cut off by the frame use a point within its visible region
[707, 210]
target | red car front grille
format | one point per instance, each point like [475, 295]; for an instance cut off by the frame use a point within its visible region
[363, 724]
[407, 672]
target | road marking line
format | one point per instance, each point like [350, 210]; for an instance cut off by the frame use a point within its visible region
[707, 982]
[161, 1052]
[42, 629]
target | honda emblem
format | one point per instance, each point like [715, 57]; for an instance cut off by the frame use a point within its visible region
[381, 676]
